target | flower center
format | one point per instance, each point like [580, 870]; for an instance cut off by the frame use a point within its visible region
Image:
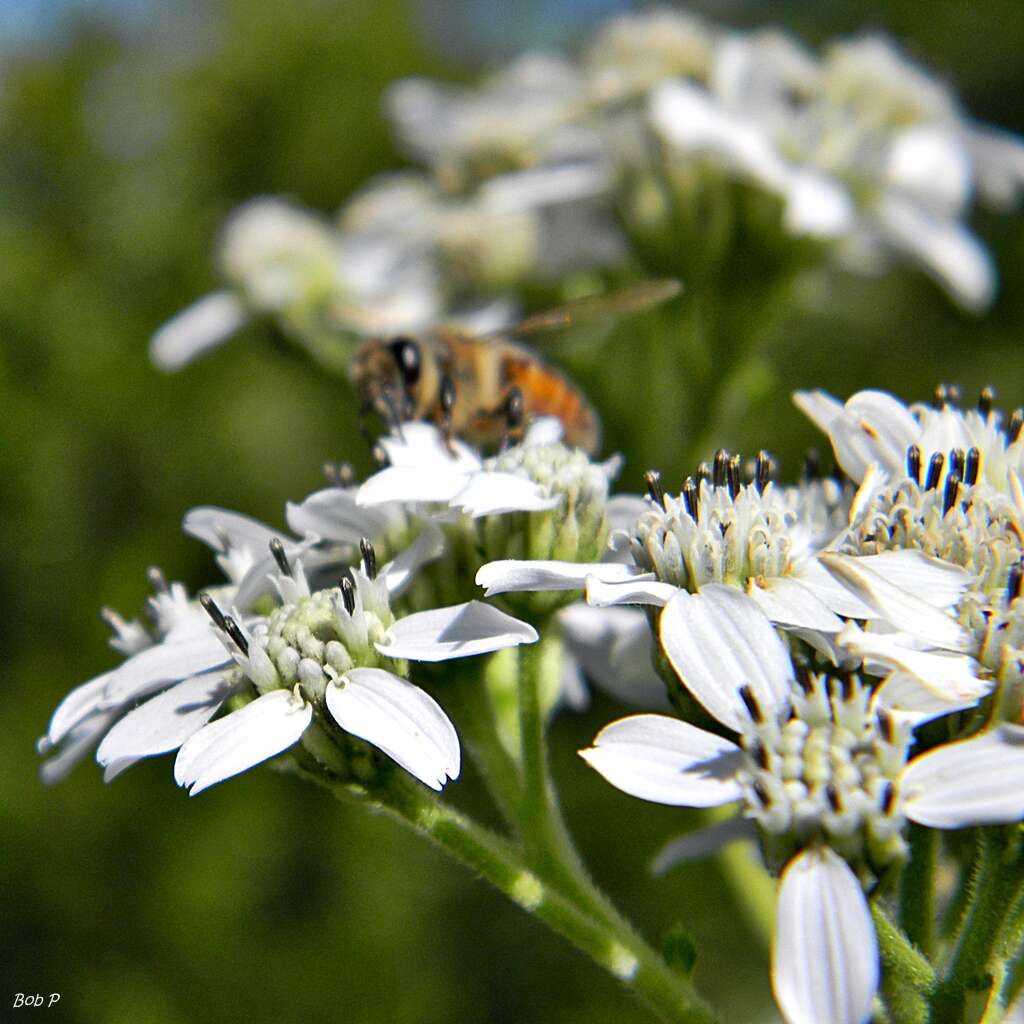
[829, 771]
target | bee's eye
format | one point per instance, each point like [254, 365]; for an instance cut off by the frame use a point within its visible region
[406, 353]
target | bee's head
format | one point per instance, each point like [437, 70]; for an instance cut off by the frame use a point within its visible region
[386, 374]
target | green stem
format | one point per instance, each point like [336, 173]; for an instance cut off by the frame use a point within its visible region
[667, 993]
[917, 889]
[1005, 965]
[755, 890]
[996, 884]
[907, 977]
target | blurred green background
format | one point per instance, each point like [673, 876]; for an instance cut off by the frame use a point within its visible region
[127, 132]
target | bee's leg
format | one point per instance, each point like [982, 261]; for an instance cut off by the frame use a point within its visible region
[513, 409]
[447, 403]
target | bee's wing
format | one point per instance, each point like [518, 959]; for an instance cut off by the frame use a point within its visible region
[620, 302]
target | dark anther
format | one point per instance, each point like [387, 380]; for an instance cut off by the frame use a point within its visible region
[157, 580]
[748, 698]
[212, 609]
[380, 456]
[348, 595]
[720, 468]
[654, 487]
[835, 800]
[1016, 422]
[946, 395]
[957, 461]
[950, 492]
[985, 400]
[733, 475]
[802, 670]
[1013, 581]
[762, 471]
[847, 687]
[914, 464]
[972, 466]
[759, 755]
[762, 794]
[703, 472]
[888, 798]
[935, 464]
[233, 631]
[885, 724]
[277, 550]
[691, 498]
[369, 557]
[406, 353]
[812, 465]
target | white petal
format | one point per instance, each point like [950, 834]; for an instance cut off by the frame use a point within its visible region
[163, 723]
[946, 249]
[817, 206]
[818, 406]
[718, 641]
[825, 954]
[429, 483]
[332, 514]
[788, 603]
[458, 631]
[237, 742]
[940, 583]
[216, 527]
[667, 761]
[196, 329]
[200, 650]
[615, 648]
[81, 702]
[638, 590]
[493, 493]
[950, 677]
[900, 608]
[400, 719]
[701, 843]
[907, 700]
[511, 575]
[418, 444]
[77, 743]
[827, 589]
[400, 571]
[979, 781]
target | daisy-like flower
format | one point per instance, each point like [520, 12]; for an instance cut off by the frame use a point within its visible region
[281, 260]
[328, 656]
[926, 443]
[824, 776]
[758, 537]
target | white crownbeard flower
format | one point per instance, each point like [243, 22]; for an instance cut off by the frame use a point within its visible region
[180, 646]
[873, 427]
[281, 260]
[338, 652]
[821, 771]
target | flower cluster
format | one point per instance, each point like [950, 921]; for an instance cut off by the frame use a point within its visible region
[669, 141]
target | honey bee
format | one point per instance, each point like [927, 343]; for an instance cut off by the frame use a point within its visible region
[485, 388]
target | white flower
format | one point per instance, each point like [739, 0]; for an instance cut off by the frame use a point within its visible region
[283, 261]
[874, 427]
[821, 772]
[758, 537]
[340, 650]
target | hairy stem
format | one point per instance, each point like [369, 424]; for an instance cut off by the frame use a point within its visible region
[907, 977]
